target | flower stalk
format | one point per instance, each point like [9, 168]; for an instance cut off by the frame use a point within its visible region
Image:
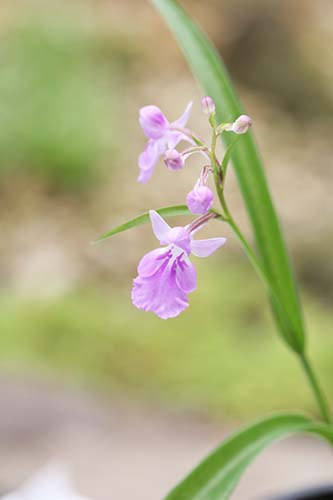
[316, 388]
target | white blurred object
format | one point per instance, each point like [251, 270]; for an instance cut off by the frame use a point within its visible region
[52, 482]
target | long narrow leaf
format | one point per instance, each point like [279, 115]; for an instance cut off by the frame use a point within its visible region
[208, 68]
[143, 219]
[216, 477]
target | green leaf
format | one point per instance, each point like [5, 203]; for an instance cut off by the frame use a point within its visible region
[144, 218]
[216, 477]
[208, 67]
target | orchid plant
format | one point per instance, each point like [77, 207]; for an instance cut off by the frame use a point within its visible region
[166, 275]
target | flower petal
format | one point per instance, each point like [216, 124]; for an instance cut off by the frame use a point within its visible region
[183, 119]
[186, 275]
[152, 261]
[204, 248]
[148, 159]
[153, 122]
[160, 228]
[159, 293]
[174, 137]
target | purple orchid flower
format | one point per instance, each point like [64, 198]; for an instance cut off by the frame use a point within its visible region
[161, 135]
[166, 275]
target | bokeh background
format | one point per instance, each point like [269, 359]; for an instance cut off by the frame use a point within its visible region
[85, 377]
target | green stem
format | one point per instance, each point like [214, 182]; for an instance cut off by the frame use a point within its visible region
[227, 155]
[318, 392]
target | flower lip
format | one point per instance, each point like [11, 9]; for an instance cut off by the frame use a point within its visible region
[165, 292]
[173, 159]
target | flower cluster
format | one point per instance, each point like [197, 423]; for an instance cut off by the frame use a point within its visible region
[166, 275]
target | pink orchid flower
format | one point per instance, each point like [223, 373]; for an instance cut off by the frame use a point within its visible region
[166, 275]
[162, 136]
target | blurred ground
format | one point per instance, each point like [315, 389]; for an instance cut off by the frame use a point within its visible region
[119, 450]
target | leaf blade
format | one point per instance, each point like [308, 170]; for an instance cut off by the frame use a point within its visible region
[209, 69]
[143, 219]
[216, 477]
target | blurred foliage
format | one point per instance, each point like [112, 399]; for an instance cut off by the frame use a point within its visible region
[266, 57]
[58, 104]
[211, 366]
[278, 49]
[315, 268]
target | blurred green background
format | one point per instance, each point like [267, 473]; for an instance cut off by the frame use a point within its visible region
[73, 77]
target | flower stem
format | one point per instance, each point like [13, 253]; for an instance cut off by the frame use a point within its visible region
[195, 149]
[227, 155]
[192, 135]
[318, 392]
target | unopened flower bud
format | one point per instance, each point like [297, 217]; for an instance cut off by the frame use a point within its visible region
[241, 125]
[199, 200]
[207, 105]
[173, 159]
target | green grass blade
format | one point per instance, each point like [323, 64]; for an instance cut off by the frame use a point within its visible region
[216, 477]
[143, 219]
[209, 69]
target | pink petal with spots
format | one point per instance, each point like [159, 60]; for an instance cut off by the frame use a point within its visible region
[152, 261]
[186, 275]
